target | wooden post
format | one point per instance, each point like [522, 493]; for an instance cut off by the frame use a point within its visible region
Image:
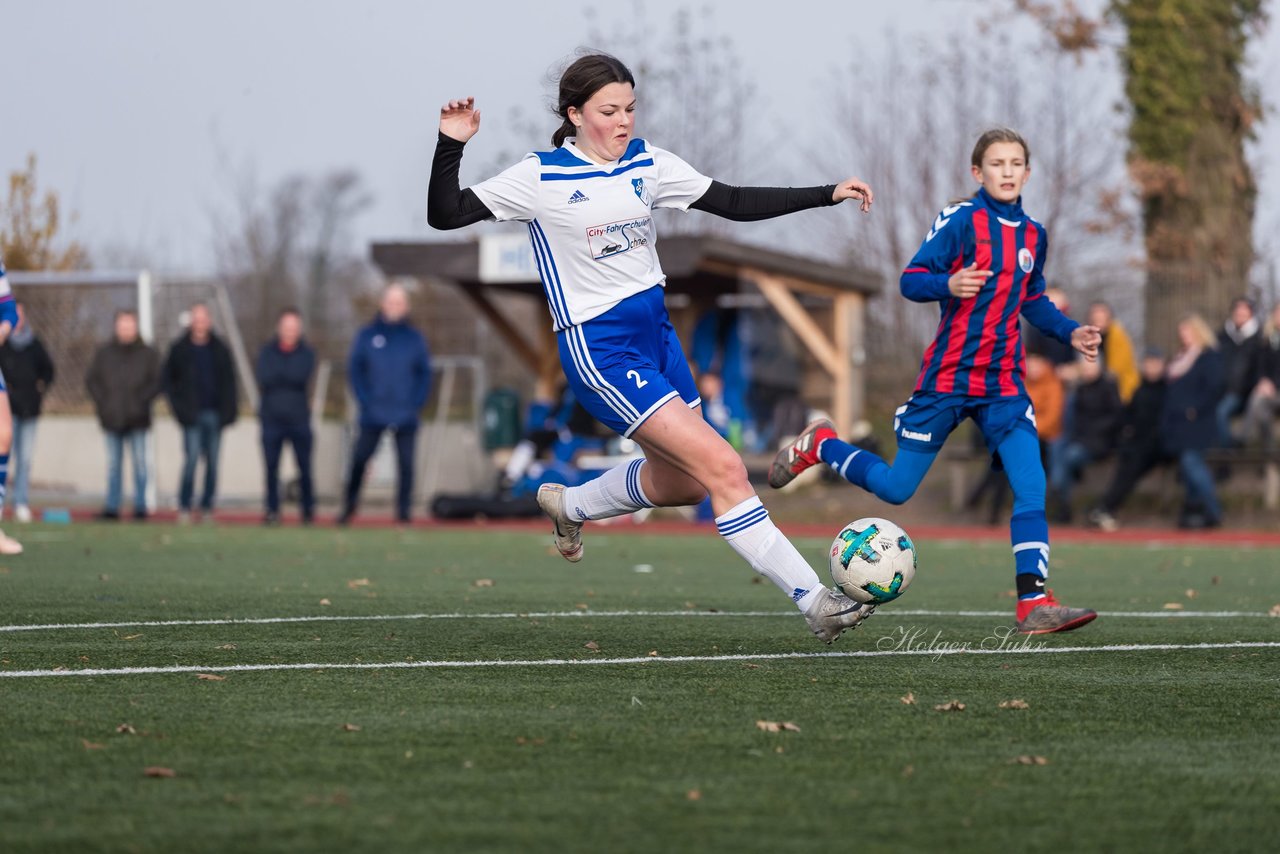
[528, 352]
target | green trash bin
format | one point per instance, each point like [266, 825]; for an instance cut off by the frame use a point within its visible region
[501, 419]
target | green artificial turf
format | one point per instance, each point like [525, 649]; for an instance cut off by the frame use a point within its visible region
[1143, 749]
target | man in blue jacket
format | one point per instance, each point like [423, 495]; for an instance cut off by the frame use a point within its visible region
[390, 374]
[284, 369]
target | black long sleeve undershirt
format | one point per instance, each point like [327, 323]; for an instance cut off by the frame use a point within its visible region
[749, 204]
[449, 207]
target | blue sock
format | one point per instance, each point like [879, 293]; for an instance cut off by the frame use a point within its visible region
[849, 462]
[1029, 533]
[4, 477]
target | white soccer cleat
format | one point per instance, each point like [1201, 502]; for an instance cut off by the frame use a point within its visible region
[833, 613]
[568, 532]
[22, 513]
[9, 546]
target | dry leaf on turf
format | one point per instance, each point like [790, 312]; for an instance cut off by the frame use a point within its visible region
[211, 677]
[777, 726]
[351, 727]
[908, 700]
[90, 745]
[1031, 760]
[1014, 704]
[483, 582]
[325, 602]
[693, 795]
[126, 729]
[227, 646]
[1173, 606]
[1191, 594]
[358, 582]
[1275, 611]
[592, 645]
[158, 771]
[953, 706]
[653, 653]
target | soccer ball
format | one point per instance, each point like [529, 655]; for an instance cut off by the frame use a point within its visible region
[873, 561]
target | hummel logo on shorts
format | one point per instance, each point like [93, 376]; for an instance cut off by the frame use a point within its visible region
[578, 196]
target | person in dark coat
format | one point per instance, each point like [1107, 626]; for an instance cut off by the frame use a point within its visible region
[1264, 401]
[28, 372]
[200, 383]
[284, 369]
[123, 380]
[1197, 381]
[1239, 342]
[390, 374]
[1140, 447]
[1090, 423]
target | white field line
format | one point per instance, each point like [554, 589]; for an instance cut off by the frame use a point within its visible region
[547, 615]
[1020, 647]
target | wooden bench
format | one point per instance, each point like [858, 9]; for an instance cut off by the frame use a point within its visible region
[967, 464]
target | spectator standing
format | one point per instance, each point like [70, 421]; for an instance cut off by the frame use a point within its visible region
[1239, 342]
[1197, 380]
[28, 372]
[200, 383]
[390, 374]
[284, 369]
[1264, 400]
[1117, 350]
[123, 380]
[1090, 422]
[1140, 447]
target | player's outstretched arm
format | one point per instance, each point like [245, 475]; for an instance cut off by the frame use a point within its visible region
[751, 204]
[449, 206]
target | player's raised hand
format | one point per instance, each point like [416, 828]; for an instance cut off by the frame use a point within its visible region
[965, 284]
[854, 188]
[460, 119]
[1086, 339]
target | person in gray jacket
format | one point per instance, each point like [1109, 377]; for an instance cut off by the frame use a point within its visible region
[124, 380]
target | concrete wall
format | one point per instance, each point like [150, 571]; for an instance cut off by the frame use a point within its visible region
[69, 464]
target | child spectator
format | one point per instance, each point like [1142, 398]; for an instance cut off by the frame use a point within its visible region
[1140, 448]
[1090, 422]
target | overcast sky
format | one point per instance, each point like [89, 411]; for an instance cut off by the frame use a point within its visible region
[139, 110]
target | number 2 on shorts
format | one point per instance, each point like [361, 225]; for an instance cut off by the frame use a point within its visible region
[633, 374]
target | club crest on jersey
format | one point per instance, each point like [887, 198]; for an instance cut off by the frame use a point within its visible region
[1026, 260]
[642, 193]
[578, 196]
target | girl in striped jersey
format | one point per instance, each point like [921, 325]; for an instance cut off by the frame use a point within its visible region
[8, 320]
[983, 263]
[589, 208]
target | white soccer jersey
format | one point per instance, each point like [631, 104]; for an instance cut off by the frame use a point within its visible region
[592, 226]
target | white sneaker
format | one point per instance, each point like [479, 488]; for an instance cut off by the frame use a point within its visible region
[9, 546]
[568, 533]
[22, 513]
[833, 613]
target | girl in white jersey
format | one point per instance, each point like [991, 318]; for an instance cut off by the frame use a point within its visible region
[589, 207]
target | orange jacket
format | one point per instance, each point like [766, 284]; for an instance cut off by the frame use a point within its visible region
[1049, 399]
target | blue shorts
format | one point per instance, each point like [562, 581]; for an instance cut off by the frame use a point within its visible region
[925, 421]
[626, 363]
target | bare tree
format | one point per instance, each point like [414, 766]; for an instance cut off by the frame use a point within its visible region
[293, 244]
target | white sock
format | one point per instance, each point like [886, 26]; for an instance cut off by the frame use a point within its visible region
[614, 493]
[750, 532]
[521, 456]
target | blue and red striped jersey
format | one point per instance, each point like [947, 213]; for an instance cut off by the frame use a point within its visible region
[977, 350]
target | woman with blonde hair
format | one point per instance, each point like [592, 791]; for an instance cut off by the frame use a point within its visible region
[1197, 381]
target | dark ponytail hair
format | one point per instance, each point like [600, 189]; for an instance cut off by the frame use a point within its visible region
[584, 77]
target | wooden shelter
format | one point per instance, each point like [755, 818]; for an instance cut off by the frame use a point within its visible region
[824, 304]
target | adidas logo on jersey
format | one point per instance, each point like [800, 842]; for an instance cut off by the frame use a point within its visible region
[578, 196]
